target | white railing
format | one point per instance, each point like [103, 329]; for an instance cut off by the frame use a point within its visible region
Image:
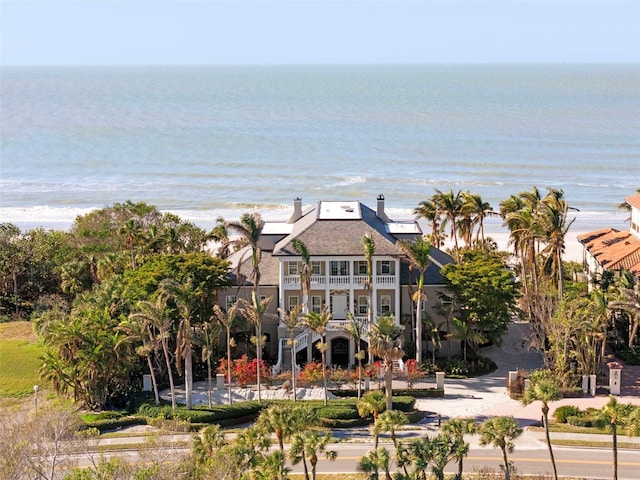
[291, 280]
[339, 280]
[360, 280]
[318, 280]
[386, 279]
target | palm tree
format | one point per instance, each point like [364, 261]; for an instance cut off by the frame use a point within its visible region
[305, 272]
[372, 403]
[442, 450]
[390, 421]
[373, 462]
[467, 334]
[317, 322]
[626, 298]
[354, 329]
[554, 222]
[545, 388]
[307, 445]
[474, 206]
[458, 428]
[417, 252]
[207, 338]
[611, 416]
[132, 231]
[500, 432]
[249, 229]
[385, 341]
[271, 467]
[140, 332]
[449, 204]
[184, 298]
[428, 210]
[305, 283]
[285, 420]
[291, 319]
[254, 312]
[227, 319]
[155, 314]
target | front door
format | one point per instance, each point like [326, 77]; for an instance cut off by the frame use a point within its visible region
[339, 306]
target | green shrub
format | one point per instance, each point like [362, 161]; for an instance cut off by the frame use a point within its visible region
[415, 416]
[421, 392]
[344, 423]
[337, 413]
[107, 424]
[404, 403]
[456, 367]
[562, 413]
[580, 421]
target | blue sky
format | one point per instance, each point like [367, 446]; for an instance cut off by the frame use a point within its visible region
[305, 31]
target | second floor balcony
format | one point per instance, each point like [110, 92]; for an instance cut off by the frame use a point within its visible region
[343, 281]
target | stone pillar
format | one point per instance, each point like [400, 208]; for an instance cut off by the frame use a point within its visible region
[511, 380]
[592, 381]
[615, 378]
[440, 380]
[585, 384]
[220, 381]
[147, 386]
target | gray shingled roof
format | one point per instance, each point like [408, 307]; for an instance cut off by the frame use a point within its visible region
[338, 237]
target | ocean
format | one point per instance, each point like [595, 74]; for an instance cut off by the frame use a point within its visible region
[210, 141]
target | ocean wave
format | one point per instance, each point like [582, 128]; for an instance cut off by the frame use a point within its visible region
[354, 180]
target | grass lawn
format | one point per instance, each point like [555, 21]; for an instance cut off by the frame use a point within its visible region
[19, 363]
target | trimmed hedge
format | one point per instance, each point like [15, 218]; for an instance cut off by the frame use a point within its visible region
[114, 423]
[226, 414]
[421, 393]
[338, 413]
[404, 403]
[562, 413]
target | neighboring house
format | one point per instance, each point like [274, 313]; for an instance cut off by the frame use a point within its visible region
[332, 232]
[612, 250]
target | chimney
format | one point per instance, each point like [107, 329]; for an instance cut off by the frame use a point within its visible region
[380, 209]
[297, 210]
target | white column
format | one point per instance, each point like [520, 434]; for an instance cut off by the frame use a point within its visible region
[281, 280]
[398, 292]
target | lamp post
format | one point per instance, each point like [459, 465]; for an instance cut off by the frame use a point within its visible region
[35, 397]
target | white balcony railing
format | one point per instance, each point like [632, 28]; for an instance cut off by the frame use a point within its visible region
[357, 281]
[386, 279]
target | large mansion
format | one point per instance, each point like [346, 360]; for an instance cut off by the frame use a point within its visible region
[333, 232]
[613, 250]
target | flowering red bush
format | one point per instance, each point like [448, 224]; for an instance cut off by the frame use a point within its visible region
[311, 374]
[412, 372]
[245, 371]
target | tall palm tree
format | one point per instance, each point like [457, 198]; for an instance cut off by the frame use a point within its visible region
[254, 312]
[355, 330]
[500, 432]
[385, 341]
[449, 204]
[185, 300]
[207, 338]
[291, 320]
[305, 272]
[556, 225]
[428, 209]
[545, 388]
[249, 229]
[305, 282]
[477, 209]
[417, 252]
[458, 428]
[318, 322]
[155, 313]
[227, 319]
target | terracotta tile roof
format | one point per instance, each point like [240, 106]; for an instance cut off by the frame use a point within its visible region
[613, 249]
[633, 200]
